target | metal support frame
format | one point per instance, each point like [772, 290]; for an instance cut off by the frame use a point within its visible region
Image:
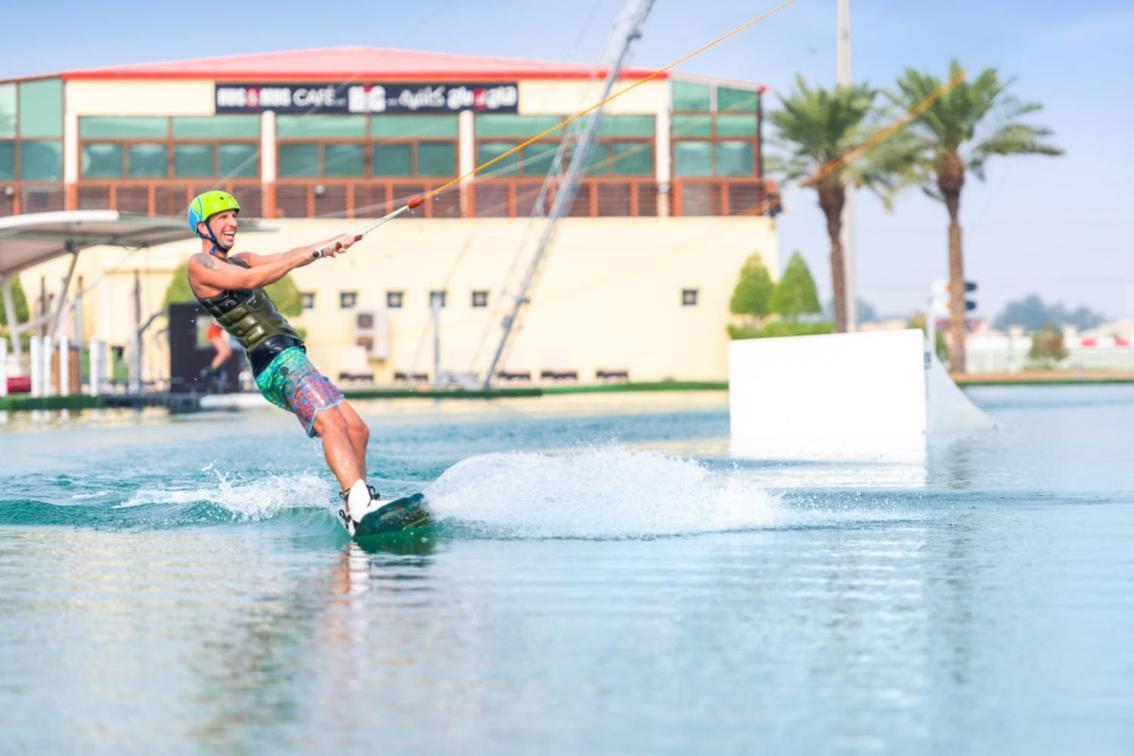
[61, 304]
[626, 31]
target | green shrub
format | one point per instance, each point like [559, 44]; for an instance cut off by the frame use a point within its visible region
[753, 293]
[795, 293]
[1047, 346]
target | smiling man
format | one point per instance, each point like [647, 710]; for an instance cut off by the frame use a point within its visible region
[231, 288]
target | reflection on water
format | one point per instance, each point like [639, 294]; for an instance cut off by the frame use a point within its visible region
[619, 585]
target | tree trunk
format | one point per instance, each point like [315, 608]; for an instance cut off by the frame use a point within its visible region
[950, 181]
[832, 196]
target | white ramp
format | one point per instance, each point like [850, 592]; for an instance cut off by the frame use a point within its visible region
[950, 411]
[841, 396]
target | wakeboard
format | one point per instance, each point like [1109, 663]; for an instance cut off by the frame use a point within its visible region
[394, 516]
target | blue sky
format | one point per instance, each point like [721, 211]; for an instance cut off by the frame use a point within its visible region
[1060, 227]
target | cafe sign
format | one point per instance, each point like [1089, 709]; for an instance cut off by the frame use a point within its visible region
[367, 98]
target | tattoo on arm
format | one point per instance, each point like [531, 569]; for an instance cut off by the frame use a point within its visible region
[207, 261]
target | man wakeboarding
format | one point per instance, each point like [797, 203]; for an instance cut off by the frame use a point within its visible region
[231, 288]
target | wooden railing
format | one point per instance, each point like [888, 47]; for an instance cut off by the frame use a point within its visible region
[724, 197]
[370, 198]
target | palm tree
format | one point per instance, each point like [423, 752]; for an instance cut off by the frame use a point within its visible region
[968, 123]
[824, 132]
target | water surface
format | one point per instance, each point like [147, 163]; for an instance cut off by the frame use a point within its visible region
[605, 578]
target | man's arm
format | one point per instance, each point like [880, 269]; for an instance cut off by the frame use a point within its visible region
[265, 269]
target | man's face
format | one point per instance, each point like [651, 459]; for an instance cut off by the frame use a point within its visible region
[223, 226]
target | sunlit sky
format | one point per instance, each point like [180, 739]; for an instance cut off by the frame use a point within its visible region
[1060, 227]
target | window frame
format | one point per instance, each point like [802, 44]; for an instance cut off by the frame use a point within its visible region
[368, 141]
[714, 138]
[171, 143]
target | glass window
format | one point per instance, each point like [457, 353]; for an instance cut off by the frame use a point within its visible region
[7, 161]
[100, 127]
[436, 299]
[736, 125]
[7, 110]
[436, 159]
[102, 161]
[488, 150]
[191, 160]
[538, 158]
[480, 299]
[347, 300]
[307, 299]
[736, 99]
[734, 159]
[344, 160]
[216, 127]
[239, 160]
[299, 160]
[689, 297]
[506, 124]
[420, 126]
[394, 300]
[41, 108]
[692, 126]
[393, 160]
[598, 163]
[627, 125]
[632, 158]
[689, 95]
[41, 161]
[147, 161]
[320, 126]
[692, 159]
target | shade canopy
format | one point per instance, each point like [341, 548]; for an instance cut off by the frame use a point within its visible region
[33, 238]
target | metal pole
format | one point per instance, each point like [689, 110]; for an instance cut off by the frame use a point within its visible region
[847, 236]
[96, 367]
[46, 352]
[64, 366]
[3, 368]
[78, 313]
[931, 330]
[61, 305]
[436, 307]
[36, 364]
[628, 29]
[136, 346]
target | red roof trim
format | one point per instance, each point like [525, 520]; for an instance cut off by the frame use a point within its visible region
[345, 76]
[353, 64]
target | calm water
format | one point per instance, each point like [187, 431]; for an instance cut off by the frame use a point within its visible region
[605, 579]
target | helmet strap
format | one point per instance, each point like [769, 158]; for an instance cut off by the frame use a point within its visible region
[212, 237]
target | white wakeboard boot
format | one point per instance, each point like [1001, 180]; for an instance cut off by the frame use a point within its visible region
[360, 500]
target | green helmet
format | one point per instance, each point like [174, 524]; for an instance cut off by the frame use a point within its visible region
[208, 204]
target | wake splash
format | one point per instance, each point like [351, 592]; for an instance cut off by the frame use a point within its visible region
[599, 493]
[249, 500]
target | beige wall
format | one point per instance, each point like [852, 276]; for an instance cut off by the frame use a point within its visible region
[609, 296]
[141, 98]
[550, 97]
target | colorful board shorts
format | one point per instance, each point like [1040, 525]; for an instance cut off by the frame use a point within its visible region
[291, 382]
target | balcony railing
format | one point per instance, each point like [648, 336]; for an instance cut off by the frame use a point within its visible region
[369, 198]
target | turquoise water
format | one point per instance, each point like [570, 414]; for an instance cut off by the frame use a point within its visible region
[605, 579]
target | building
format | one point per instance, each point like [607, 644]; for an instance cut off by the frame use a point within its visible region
[638, 278]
